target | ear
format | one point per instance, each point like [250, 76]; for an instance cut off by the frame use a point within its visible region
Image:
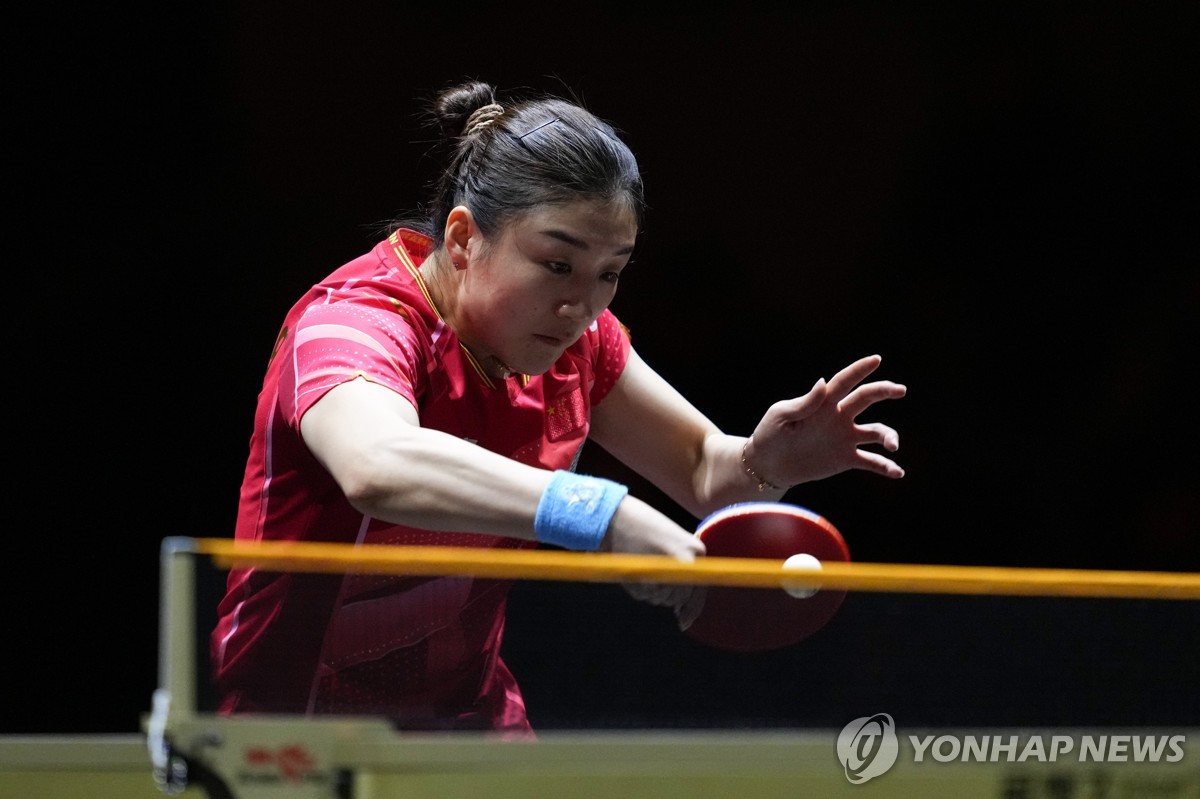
[460, 229]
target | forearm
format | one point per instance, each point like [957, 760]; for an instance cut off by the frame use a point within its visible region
[652, 428]
[391, 468]
[464, 488]
[435, 481]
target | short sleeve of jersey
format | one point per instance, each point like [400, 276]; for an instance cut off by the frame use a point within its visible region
[337, 342]
[611, 339]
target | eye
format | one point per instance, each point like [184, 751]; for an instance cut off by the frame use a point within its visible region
[610, 277]
[559, 267]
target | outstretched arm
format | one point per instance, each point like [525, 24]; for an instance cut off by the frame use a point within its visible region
[370, 440]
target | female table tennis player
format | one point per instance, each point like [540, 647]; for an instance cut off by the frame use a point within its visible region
[437, 391]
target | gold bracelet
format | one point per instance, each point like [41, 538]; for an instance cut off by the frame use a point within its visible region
[763, 483]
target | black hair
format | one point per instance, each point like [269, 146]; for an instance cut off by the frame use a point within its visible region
[507, 159]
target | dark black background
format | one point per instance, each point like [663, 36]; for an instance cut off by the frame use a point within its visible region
[1001, 199]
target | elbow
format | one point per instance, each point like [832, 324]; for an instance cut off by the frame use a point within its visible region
[364, 495]
[372, 489]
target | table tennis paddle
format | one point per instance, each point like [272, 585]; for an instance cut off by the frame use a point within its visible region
[761, 619]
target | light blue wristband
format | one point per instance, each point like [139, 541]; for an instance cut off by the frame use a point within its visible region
[575, 510]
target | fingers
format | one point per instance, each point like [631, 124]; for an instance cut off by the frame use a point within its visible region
[662, 594]
[841, 388]
[887, 438]
[877, 463]
[689, 611]
[867, 395]
[877, 433]
[803, 406]
[844, 381]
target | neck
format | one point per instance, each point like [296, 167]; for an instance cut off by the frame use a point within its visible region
[441, 281]
[444, 282]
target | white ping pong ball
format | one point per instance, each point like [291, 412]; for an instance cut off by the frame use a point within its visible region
[801, 562]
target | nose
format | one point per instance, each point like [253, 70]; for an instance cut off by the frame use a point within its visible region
[575, 309]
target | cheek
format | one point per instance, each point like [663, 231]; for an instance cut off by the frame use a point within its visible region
[517, 305]
[531, 297]
[603, 296]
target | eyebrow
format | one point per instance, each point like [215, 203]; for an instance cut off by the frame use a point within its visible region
[579, 243]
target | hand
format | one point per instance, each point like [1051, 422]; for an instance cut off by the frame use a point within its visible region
[640, 529]
[685, 600]
[816, 435]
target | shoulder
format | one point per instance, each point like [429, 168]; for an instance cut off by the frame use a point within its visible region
[380, 290]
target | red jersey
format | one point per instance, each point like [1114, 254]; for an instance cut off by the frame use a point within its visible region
[424, 651]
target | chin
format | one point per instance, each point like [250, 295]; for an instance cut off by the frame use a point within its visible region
[536, 369]
[536, 366]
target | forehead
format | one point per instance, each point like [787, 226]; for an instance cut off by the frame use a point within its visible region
[599, 223]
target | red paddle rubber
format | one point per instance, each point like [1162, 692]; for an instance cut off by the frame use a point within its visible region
[762, 619]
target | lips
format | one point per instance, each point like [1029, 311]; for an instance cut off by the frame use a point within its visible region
[554, 341]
